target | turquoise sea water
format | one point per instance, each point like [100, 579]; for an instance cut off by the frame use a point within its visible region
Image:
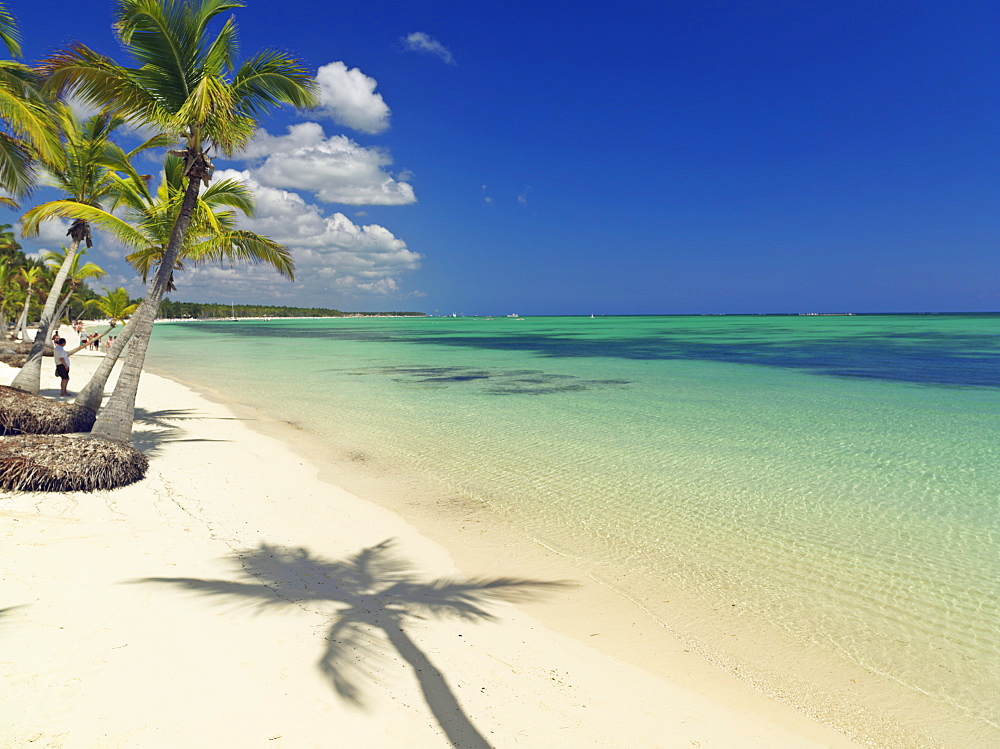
[814, 502]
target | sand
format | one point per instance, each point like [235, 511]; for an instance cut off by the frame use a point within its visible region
[239, 596]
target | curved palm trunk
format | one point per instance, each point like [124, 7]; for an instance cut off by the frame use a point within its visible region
[114, 421]
[29, 378]
[92, 393]
[20, 330]
[59, 313]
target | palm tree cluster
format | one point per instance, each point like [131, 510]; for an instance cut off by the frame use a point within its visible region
[182, 83]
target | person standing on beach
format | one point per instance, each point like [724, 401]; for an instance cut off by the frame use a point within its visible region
[62, 364]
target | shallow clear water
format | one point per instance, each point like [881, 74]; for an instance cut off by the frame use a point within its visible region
[829, 482]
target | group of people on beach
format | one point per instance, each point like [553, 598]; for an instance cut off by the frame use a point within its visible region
[91, 341]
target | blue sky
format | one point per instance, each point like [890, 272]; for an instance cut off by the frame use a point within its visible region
[664, 157]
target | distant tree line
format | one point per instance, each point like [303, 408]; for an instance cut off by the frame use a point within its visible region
[200, 310]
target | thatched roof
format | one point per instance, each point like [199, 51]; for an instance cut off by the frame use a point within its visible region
[25, 413]
[15, 353]
[67, 463]
[23, 347]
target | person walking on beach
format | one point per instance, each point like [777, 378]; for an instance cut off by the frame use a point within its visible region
[62, 364]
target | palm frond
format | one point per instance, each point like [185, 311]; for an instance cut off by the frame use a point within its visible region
[160, 140]
[221, 53]
[243, 247]
[231, 193]
[17, 168]
[10, 35]
[272, 78]
[121, 230]
[99, 80]
[29, 121]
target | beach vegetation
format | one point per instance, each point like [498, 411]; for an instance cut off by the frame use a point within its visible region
[113, 306]
[87, 174]
[28, 133]
[146, 225]
[78, 273]
[188, 84]
[26, 278]
[9, 246]
[172, 310]
[6, 282]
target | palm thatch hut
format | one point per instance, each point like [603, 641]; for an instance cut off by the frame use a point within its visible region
[26, 413]
[15, 353]
[68, 463]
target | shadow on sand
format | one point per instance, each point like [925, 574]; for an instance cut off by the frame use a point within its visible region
[6, 611]
[374, 592]
[161, 427]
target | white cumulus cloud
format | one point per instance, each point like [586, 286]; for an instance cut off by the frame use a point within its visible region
[335, 258]
[53, 230]
[348, 97]
[335, 169]
[421, 42]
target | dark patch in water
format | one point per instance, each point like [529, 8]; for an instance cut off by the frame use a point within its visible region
[922, 357]
[499, 381]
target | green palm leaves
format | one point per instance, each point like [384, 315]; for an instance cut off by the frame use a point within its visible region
[10, 35]
[26, 126]
[114, 305]
[187, 83]
[143, 222]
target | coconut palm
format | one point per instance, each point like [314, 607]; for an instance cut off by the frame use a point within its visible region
[146, 224]
[27, 278]
[115, 307]
[87, 176]
[26, 127]
[76, 275]
[6, 279]
[9, 246]
[187, 84]
[10, 35]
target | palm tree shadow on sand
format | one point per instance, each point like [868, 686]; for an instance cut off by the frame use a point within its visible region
[158, 428]
[375, 592]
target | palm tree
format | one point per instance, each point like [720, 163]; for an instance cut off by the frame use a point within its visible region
[75, 277]
[10, 35]
[27, 277]
[115, 307]
[147, 226]
[86, 176]
[26, 126]
[6, 279]
[187, 84]
[9, 246]
[373, 594]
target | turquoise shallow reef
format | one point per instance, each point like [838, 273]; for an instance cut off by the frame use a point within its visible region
[821, 494]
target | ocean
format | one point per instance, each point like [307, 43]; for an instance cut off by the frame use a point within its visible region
[812, 502]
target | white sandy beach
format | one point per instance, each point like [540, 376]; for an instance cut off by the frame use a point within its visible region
[193, 608]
